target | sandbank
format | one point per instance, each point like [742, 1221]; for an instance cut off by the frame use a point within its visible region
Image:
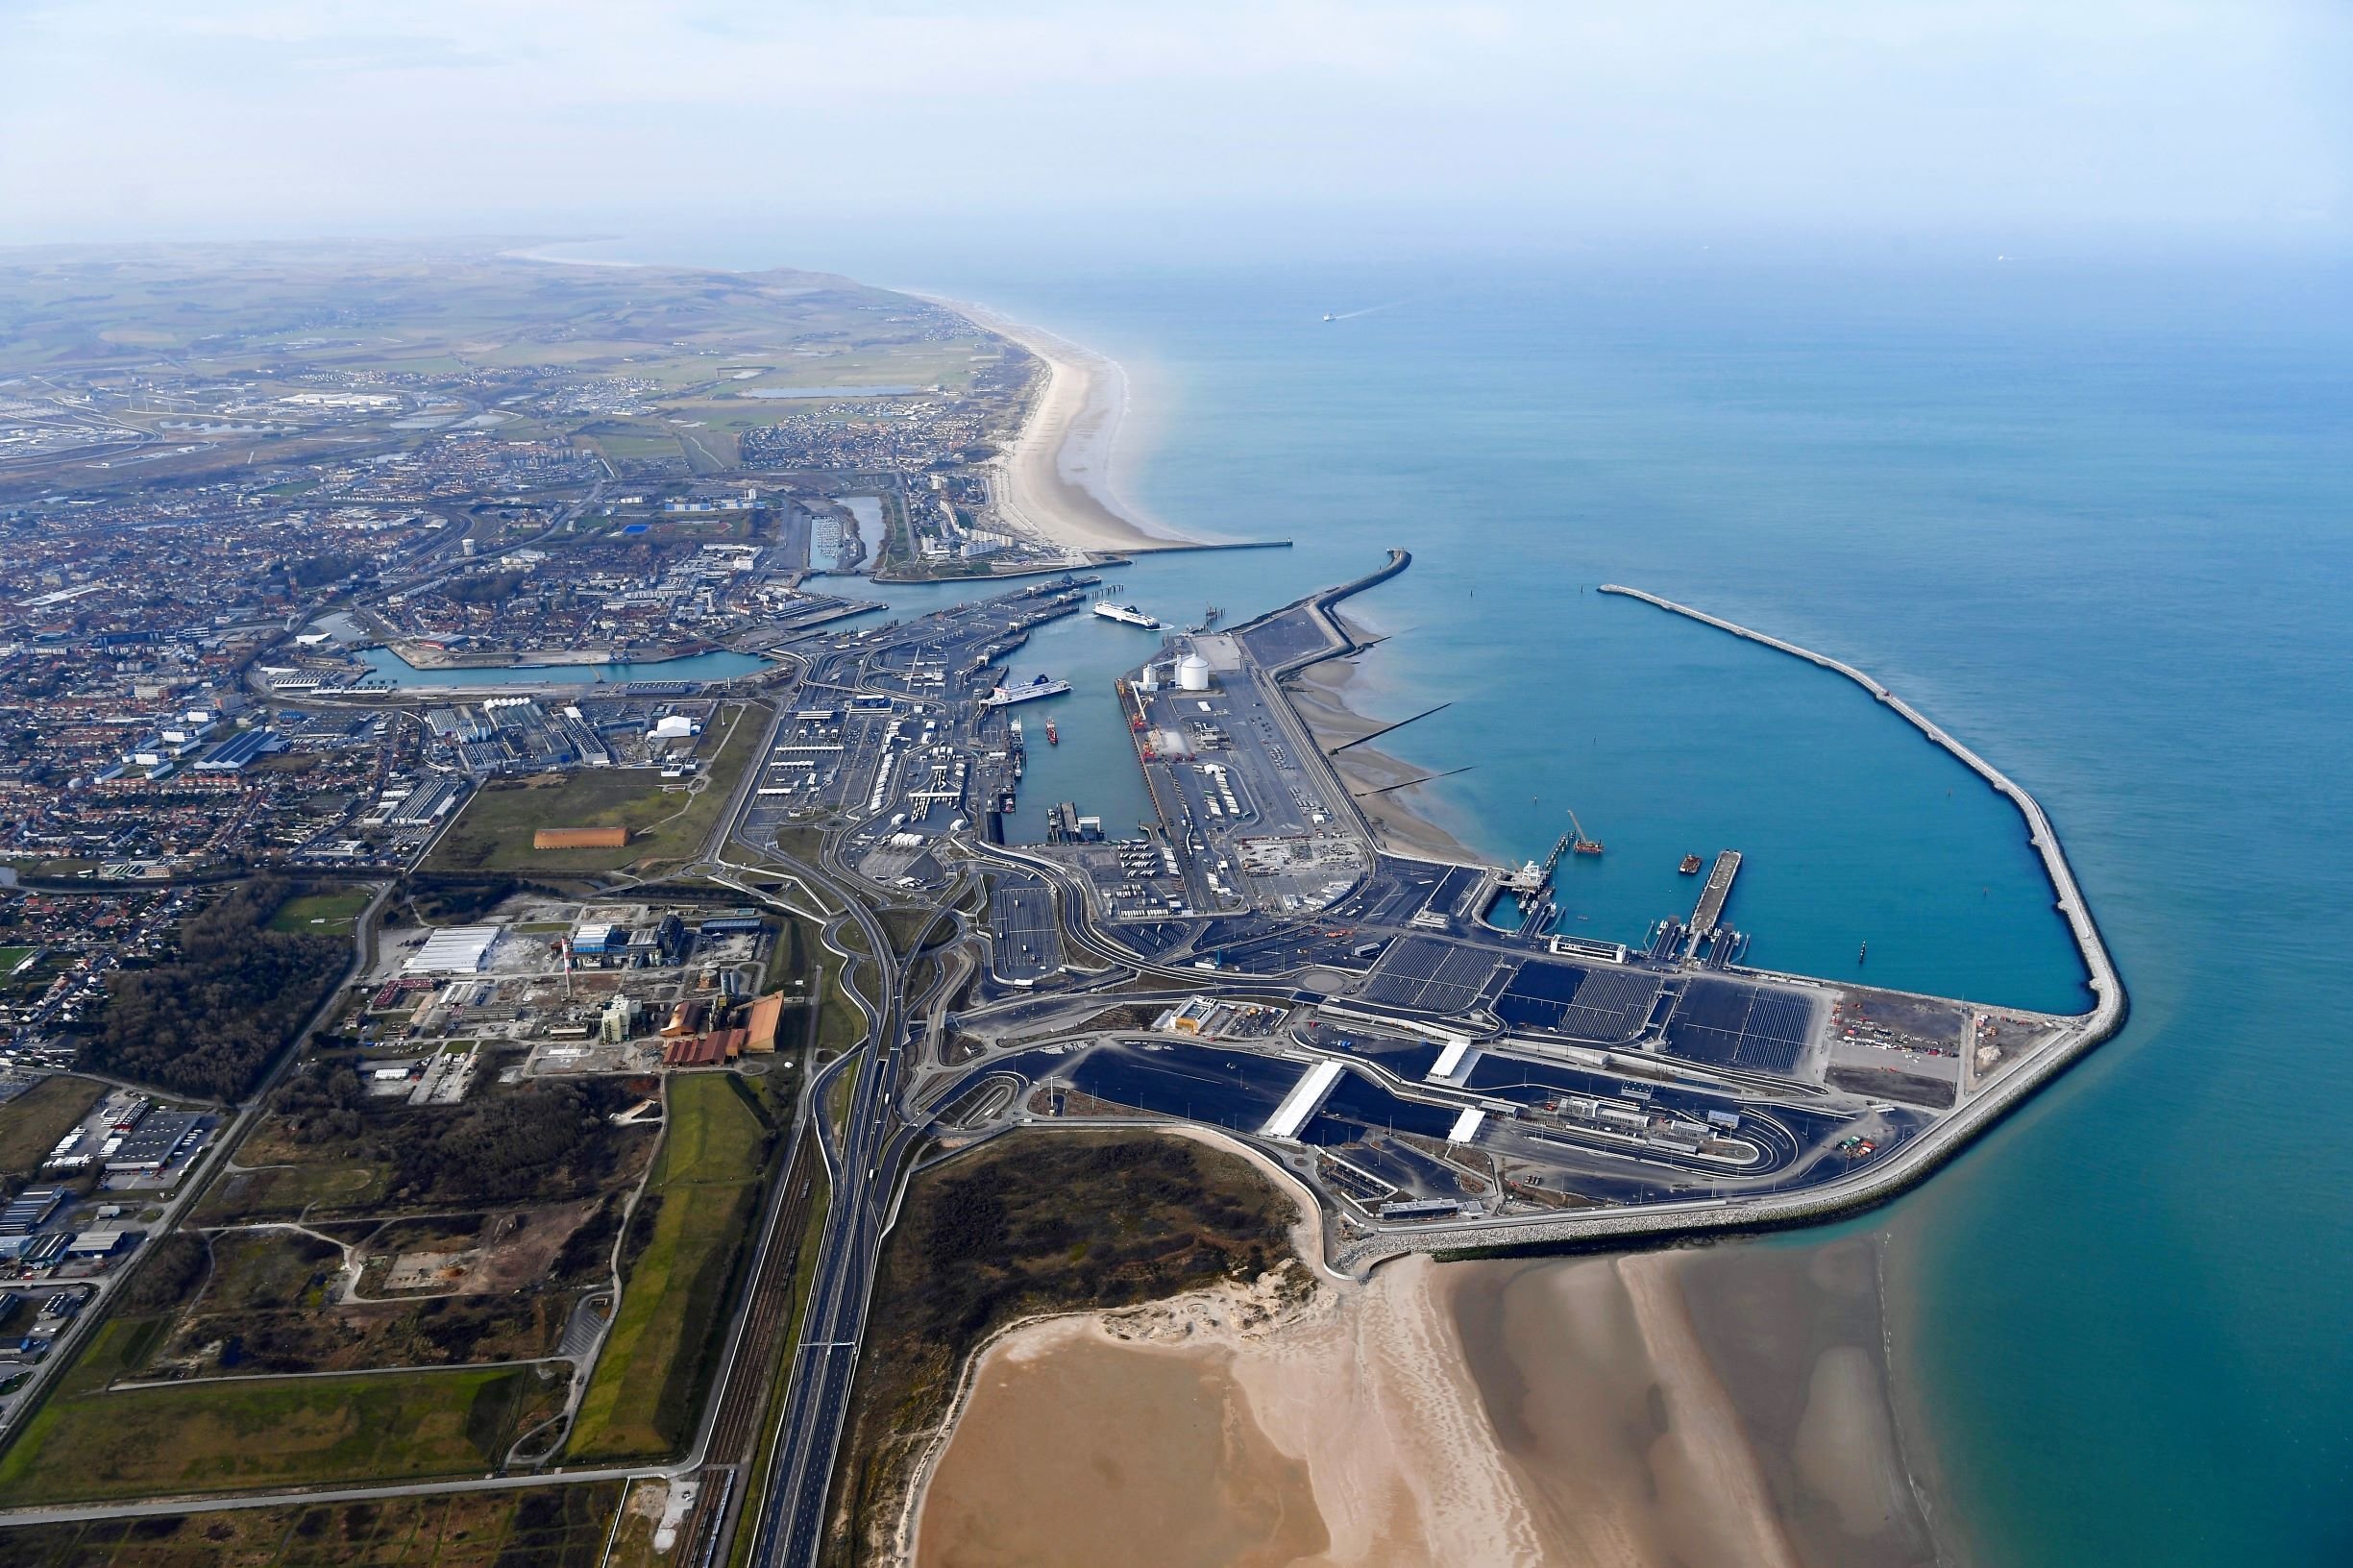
[1056, 482]
[1620, 1412]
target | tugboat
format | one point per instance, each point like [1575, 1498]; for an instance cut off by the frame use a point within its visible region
[1052, 738]
[1690, 866]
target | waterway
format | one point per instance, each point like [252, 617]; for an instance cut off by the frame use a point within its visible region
[2093, 520]
[718, 664]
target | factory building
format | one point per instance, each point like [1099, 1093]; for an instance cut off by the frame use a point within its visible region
[454, 949]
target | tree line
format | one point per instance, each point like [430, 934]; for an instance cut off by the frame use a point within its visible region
[205, 1023]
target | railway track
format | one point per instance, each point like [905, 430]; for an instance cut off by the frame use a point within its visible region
[744, 1402]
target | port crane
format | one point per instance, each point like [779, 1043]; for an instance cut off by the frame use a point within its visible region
[1581, 844]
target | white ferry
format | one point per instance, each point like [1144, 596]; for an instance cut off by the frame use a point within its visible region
[1125, 614]
[1006, 696]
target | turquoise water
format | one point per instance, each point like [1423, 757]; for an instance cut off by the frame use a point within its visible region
[2095, 523]
[716, 664]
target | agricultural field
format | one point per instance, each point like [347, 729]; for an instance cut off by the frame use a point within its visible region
[687, 1238]
[677, 332]
[32, 1123]
[668, 820]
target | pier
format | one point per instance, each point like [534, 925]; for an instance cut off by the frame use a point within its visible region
[1710, 908]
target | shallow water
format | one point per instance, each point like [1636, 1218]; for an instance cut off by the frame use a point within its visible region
[718, 664]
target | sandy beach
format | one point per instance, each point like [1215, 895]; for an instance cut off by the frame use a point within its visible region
[1401, 818]
[1056, 482]
[1605, 1412]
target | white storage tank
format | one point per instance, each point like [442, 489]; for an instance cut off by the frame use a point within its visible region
[1192, 673]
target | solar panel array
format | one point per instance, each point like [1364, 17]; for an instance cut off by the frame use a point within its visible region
[1430, 975]
[1588, 1004]
[1732, 1024]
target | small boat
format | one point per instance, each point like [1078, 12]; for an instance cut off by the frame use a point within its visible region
[1690, 866]
[1052, 737]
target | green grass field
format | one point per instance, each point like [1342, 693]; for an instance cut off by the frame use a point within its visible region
[86, 1443]
[548, 1527]
[321, 913]
[10, 957]
[494, 832]
[32, 1123]
[641, 1401]
[287, 1189]
[714, 1134]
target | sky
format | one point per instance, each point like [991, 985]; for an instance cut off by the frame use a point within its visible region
[2207, 122]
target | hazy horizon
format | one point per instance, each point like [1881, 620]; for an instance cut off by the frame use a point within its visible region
[1820, 127]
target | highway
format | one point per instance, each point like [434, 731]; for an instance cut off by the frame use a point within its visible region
[864, 1157]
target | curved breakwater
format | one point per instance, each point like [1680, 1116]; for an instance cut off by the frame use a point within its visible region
[2109, 1010]
[1915, 1160]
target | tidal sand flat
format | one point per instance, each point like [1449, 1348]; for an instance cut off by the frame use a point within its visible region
[1609, 1412]
[1121, 1454]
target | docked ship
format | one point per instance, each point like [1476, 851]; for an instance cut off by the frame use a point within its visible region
[1007, 695]
[1125, 614]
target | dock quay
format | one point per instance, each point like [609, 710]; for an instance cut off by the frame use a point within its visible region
[1710, 907]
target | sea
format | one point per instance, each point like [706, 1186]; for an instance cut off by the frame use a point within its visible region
[2094, 517]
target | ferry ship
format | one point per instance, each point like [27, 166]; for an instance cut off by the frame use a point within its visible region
[1125, 614]
[1006, 696]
